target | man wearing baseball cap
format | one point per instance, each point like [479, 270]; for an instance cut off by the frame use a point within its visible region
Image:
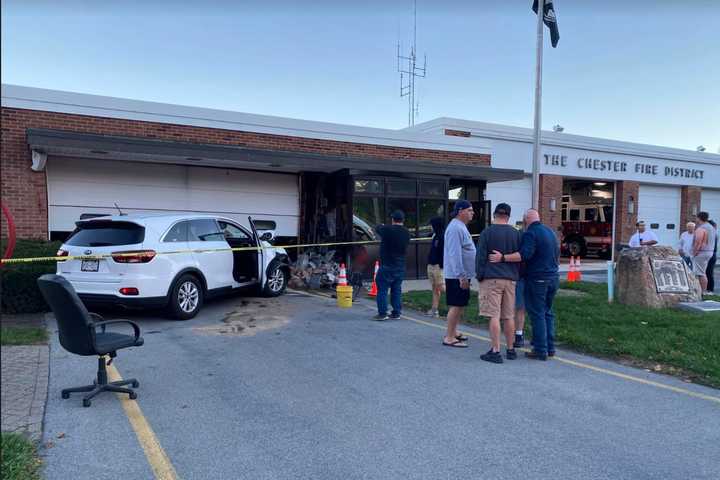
[496, 296]
[459, 263]
[394, 242]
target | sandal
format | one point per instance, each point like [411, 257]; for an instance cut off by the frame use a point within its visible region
[456, 344]
[462, 338]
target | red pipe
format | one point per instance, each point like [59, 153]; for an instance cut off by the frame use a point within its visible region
[11, 231]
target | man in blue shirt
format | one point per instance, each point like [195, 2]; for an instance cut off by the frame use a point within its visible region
[540, 251]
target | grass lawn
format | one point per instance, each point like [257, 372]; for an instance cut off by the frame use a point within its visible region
[669, 341]
[19, 458]
[13, 335]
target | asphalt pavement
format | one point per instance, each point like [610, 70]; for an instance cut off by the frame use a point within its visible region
[333, 395]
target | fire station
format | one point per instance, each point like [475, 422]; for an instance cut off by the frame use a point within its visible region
[69, 155]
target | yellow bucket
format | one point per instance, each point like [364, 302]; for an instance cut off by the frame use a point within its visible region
[344, 296]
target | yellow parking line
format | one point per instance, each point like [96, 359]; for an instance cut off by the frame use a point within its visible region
[156, 456]
[574, 363]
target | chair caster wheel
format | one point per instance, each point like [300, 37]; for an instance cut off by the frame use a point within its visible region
[133, 396]
[86, 402]
[135, 384]
[65, 395]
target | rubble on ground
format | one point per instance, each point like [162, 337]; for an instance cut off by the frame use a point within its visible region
[314, 269]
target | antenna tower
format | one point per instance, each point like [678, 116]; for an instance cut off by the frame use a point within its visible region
[410, 71]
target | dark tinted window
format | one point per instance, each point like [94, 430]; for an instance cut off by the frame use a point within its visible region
[205, 230]
[432, 189]
[402, 187]
[178, 233]
[590, 214]
[106, 234]
[574, 214]
[670, 226]
[654, 226]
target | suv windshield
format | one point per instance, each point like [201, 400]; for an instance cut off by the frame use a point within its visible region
[106, 234]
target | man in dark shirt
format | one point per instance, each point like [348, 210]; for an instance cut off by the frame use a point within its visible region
[435, 265]
[496, 294]
[540, 251]
[394, 242]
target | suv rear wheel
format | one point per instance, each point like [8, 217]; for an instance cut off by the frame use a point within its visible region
[186, 297]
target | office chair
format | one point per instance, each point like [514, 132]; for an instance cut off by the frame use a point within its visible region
[78, 334]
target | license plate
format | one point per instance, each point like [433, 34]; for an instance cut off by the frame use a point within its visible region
[90, 265]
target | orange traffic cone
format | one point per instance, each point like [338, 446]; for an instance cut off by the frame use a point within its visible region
[578, 273]
[342, 277]
[373, 288]
[571, 271]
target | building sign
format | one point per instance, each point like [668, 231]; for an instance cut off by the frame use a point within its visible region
[647, 169]
[670, 276]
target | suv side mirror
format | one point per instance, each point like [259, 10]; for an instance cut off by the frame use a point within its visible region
[266, 236]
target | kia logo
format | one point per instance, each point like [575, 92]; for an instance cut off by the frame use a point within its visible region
[88, 252]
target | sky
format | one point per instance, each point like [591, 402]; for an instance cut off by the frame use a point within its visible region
[645, 71]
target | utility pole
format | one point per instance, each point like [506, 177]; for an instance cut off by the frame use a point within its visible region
[412, 70]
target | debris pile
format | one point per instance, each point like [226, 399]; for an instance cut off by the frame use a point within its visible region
[314, 269]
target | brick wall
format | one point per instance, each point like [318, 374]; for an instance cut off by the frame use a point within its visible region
[625, 222]
[25, 191]
[457, 133]
[551, 187]
[689, 205]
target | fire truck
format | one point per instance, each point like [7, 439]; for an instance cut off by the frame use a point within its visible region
[586, 226]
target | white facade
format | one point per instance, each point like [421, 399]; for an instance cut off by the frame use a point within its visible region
[77, 186]
[660, 210]
[710, 202]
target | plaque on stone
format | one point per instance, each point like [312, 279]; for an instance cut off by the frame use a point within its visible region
[670, 276]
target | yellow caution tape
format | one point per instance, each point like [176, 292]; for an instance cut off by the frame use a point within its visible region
[13, 261]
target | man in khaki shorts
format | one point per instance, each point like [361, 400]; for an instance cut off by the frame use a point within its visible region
[496, 296]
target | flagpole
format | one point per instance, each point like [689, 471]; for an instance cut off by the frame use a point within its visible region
[538, 106]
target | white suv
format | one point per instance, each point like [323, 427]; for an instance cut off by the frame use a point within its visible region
[172, 261]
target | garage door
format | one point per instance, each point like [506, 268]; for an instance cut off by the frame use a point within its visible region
[710, 202]
[517, 194]
[659, 207]
[77, 186]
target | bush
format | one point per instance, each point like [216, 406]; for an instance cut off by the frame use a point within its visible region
[20, 460]
[18, 283]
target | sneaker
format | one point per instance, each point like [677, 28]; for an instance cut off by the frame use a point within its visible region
[380, 317]
[394, 316]
[433, 313]
[519, 341]
[551, 354]
[533, 355]
[492, 357]
[510, 354]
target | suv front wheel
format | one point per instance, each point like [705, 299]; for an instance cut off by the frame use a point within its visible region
[186, 297]
[276, 282]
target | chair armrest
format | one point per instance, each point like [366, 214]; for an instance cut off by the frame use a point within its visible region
[134, 325]
[97, 318]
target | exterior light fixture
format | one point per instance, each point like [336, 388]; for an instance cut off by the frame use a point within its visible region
[631, 205]
[558, 128]
[693, 209]
[553, 205]
[600, 184]
[700, 148]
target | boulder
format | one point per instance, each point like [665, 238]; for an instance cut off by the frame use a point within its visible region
[654, 277]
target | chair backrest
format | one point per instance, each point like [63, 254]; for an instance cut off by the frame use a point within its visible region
[72, 317]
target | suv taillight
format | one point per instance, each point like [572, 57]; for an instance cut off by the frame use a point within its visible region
[62, 253]
[134, 256]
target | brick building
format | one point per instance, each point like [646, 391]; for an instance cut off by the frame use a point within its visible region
[65, 155]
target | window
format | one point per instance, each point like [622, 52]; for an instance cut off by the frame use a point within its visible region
[408, 207]
[368, 186]
[590, 214]
[429, 209]
[178, 233]
[574, 214]
[670, 226]
[233, 231]
[654, 226]
[367, 213]
[432, 189]
[456, 193]
[402, 187]
[106, 234]
[564, 214]
[205, 230]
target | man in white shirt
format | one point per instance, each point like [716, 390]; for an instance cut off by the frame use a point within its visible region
[685, 245]
[642, 238]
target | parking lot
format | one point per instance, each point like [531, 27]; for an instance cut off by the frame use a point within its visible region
[325, 393]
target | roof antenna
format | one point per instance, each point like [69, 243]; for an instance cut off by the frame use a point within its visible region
[116, 206]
